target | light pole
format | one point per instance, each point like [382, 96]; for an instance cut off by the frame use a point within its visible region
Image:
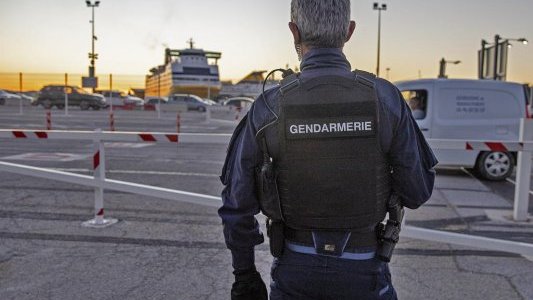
[498, 40]
[92, 56]
[442, 69]
[379, 7]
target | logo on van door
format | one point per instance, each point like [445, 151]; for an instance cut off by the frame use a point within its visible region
[470, 104]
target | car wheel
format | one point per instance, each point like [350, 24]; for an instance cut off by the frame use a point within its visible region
[47, 104]
[60, 106]
[84, 105]
[495, 166]
[2, 101]
[201, 109]
[96, 107]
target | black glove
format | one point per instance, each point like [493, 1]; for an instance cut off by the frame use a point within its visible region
[248, 285]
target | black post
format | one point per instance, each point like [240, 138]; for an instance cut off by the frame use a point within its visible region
[496, 54]
[379, 41]
[442, 68]
[482, 60]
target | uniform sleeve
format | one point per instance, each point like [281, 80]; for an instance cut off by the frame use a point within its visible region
[240, 204]
[411, 158]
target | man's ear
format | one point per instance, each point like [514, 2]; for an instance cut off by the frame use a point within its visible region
[295, 32]
[351, 29]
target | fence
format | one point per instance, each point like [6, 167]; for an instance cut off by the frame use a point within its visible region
[99, 182]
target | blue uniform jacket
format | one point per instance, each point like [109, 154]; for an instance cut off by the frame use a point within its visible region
[400, 138]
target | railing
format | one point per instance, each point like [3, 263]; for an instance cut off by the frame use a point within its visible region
[99, 182]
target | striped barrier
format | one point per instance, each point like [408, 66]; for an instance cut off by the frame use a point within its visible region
[99, 182]
[109, 136]
[111, 121]
[48, 120]
[99, 137]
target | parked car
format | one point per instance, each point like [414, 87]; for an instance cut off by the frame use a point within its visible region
[5, 96]
[485, 110]
[132, 100]
[54, 95]
[114, 98]
[238, 102]
[210, 102]
[192, 102]
[150, 103]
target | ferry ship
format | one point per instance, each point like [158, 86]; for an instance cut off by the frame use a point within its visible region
[187, 71]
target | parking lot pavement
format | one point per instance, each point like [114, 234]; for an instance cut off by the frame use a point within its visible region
[164, 249]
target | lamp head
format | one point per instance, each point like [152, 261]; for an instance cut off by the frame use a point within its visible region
[88, 3]
[96, 3]
[376, 5]
[384, 6]
[523, 41]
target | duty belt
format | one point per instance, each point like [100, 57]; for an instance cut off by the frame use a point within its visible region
[357, 239]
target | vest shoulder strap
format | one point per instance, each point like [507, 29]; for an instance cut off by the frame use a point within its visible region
[290, 82]
[365, 78]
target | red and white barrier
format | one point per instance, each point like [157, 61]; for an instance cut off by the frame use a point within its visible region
[178, 123]
[116, 136]
[111, 121]
[48, 120]
[99, 175]
[503, 146]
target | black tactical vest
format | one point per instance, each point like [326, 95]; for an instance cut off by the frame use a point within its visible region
[331, 172]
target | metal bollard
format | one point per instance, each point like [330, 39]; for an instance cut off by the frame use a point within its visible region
[99, 175]
[48, 120]
[178, 123]
[111, 121]
[523, 173]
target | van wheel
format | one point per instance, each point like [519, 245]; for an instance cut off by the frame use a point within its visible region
[495, 166]
[47, 104]
[84, 105]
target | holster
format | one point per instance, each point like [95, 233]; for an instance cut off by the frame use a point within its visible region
[275, 232]
[389, 234]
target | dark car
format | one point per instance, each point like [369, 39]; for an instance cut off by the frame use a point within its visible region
[54, 95]
[192, 102]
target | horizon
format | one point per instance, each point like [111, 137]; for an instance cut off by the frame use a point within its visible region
[415, 36]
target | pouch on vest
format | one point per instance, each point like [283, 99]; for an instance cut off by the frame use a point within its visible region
[267, 187]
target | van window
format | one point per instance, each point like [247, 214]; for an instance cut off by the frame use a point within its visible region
[417, 101]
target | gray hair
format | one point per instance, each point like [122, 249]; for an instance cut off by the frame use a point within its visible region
[322, 23]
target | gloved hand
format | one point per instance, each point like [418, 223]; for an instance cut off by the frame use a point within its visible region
[248, 285]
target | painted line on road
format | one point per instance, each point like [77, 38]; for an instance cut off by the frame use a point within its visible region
[514, 182]
[140, 172]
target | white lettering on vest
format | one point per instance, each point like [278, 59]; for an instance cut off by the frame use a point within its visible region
[330, 127]
[293, 129]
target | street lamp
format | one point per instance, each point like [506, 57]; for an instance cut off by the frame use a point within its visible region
[379, 7]
[497, 43]
[92, 56]
[442, 69]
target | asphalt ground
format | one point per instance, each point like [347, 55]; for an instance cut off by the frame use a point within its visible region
[163, 249]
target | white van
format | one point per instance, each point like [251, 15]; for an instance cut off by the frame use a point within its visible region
[471, 110]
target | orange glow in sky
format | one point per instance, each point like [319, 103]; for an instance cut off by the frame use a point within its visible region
[54, 36]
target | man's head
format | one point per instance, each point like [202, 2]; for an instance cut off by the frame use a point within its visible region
[321, 23]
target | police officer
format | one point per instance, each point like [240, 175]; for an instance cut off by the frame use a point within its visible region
[322, 155]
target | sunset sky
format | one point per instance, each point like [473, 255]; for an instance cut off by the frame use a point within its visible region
[53, 36]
